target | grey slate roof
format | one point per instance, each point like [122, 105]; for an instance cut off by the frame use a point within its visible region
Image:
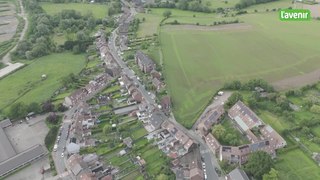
[6, 149]
[21, 159]
[156, 120]
[126, 110]
[238, 174]
[144, 58]
[5, 123]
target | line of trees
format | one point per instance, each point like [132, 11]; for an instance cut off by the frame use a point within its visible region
[190, 5]
[20, 110]
[246, 3]
[249, 86]
[115, 8]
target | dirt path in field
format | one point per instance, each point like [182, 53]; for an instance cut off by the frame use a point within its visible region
[237, 26]
[297, 81]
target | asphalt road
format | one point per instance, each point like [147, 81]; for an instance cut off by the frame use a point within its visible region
[60, 162]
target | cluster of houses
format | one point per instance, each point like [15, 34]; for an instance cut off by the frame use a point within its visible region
[147, 66]
[262, 137]
[81, 131]
[89, 167]
[111, 67]
[95, 85]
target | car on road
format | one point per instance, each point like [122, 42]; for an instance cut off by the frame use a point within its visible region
[55, 147]
[62, 155]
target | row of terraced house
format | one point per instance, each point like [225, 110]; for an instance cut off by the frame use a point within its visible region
[265, 138]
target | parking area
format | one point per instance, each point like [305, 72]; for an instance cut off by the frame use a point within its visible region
[23, 136]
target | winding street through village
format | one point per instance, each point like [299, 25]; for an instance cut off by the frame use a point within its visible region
[60, 162]
[210, 160]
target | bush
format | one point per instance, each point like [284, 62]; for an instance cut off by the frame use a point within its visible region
[315, 109]
[51, 137]
[53, 118]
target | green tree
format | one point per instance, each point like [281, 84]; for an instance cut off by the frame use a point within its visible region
[51, 137]
[34, 107]
[47, 106]
[306, 130]
[218, 131]
[272, 175]
[235, 97]
[167, 13]
[81, 36]
[106, 129]
[18, 111]
[259, 163]
[231, 139]
[315, 109]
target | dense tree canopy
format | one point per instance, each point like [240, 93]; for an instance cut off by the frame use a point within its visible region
[259, 163]
[235, 97]
[39, 40]
[247, 3]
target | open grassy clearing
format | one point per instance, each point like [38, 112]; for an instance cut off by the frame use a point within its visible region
[98, 10]
[154, 17]
[150, 25]
[197, 66]
[26, 86]
[279, 124]
[295, 165]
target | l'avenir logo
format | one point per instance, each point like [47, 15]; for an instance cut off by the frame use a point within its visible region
[294, 15]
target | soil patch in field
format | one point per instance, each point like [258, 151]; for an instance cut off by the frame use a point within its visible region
[9, 22]
[298, 81]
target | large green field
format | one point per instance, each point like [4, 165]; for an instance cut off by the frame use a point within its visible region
[197, 63]
[26, 85]
[98, 10]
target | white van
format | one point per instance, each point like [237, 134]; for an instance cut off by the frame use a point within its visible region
[55, 147]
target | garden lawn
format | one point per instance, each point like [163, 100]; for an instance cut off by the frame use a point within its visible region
[138, 133]
[98, 10]
[232, 130]
[279, 124]
[26, 85]
[295, 165]
[197, 63]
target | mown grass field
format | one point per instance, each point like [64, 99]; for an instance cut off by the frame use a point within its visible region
[197, 63]
[26, 85]
[295, 165]
[98, 10]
